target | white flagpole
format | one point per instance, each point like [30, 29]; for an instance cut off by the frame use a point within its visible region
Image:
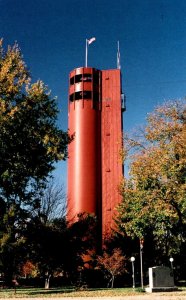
[88, 42]
[86, 53]
[118, 58]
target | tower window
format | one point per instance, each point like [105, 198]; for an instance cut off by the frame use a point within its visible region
[87, 77]
[81, 78]
[72, 80]
[80, 95]
[78, 78]
[71, 97]
[87, 94]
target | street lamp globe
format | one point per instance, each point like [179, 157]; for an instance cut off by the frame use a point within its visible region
[171, 259]
[132, 259]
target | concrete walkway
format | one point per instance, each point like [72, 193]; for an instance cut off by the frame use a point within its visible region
[152, 296]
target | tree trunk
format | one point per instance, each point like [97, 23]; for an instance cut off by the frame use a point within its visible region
[47, 282]
[112, 282]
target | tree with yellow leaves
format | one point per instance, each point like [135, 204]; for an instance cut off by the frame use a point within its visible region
[154, 194]
[30, 144]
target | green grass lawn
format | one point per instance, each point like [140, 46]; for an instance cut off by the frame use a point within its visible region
[65, 292]
[71, 292]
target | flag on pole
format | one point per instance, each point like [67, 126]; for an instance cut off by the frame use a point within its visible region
[88, 42]
[91, 40]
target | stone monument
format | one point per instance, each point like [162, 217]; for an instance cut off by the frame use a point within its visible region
[161, 279]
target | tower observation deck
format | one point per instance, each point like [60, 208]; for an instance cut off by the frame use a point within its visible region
[94, 166]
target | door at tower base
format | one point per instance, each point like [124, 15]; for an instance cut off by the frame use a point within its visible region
[94, 165]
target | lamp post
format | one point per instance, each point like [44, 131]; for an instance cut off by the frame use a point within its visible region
[132, 259]
[171, 259]
[141, 261]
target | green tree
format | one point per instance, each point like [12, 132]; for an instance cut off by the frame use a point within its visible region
[154, 195]
[82, 238]
[55, 247]
[46, 246]
[30, 144]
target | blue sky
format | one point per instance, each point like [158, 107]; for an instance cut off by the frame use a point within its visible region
[152, 35]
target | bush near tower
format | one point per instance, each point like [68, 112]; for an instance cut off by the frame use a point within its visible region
[30, 143]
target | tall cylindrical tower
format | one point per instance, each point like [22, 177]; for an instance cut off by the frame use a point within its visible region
[84, 163]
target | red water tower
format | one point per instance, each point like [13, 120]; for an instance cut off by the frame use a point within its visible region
[84, 164]
[111, 144]
[94, 165]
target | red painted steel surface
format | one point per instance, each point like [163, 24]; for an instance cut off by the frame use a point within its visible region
[94, 164]
[84, 152]
[111, 121]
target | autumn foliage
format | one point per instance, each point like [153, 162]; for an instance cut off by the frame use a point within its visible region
[29, 269]
[113, 264]
[30, 144]
[154, 194]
